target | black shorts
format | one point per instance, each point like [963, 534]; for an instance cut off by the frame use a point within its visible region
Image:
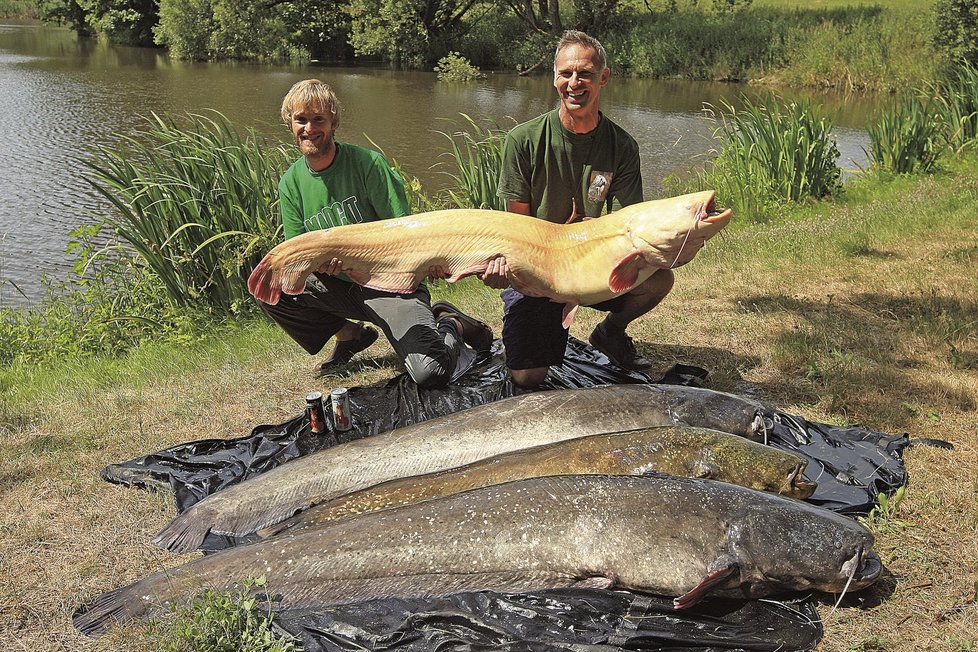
[533, 334]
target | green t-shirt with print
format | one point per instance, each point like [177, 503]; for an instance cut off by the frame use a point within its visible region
[557, 171]
[359, 186]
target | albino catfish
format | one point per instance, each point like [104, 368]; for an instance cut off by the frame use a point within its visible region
[575, 264]
[662, 534]
[453, 440]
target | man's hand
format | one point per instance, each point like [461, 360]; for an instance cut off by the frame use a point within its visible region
[332, 268]
[497, 274]
[436, 272]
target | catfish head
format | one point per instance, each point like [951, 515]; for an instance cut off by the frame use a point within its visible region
[770, 550]
[669, 232]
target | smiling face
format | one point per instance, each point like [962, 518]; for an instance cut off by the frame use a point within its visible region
[314, 132]
[579, 78]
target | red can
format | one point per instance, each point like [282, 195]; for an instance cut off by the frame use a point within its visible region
[342, 416]
[316, 412]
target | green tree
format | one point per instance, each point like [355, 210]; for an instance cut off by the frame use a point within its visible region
[125, 22]
[412, 33]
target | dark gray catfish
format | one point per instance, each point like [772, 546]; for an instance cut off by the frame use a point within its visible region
[660, 534]
[451, 441]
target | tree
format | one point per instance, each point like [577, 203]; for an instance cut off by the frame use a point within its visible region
[956, 30]
[413, 33]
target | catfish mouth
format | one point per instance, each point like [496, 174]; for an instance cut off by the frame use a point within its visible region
[798, 485]
[864, 568]
[710, 212]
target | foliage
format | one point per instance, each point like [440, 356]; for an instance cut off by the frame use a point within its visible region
[956, 30]
[883, 515]
[105, 310]
[769, 154]
[477, 156]
[454, 67]
[19, 9]
[223, 621]
[957, 99]
[196, 201]
[907, 137]
[412, 33]
[125, 22]
[185, 27]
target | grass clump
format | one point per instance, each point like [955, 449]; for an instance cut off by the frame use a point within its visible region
[223, 621]
[476, 155]
[769, 154]
[908, 137]
[196, 200]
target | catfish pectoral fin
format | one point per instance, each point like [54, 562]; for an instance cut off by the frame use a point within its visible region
[709, 581]
[625, 274]
[259, 283]
[570, 311]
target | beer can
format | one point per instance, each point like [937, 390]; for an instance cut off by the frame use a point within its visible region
[316, 412]
[342, 416]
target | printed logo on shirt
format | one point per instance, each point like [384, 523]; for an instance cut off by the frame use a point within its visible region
[336, 214]
[598, 185]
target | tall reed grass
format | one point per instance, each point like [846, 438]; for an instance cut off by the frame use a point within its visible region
[196, 200]
[476, 155]
[768, 154]
[908, 137]
[957, 100]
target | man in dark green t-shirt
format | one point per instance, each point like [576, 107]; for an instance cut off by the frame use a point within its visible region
[567, 165]
[335, 184]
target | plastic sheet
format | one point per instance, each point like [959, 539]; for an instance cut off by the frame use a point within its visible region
[851, 465]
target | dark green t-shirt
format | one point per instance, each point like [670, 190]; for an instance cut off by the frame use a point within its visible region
[552, 169]
[359, 186]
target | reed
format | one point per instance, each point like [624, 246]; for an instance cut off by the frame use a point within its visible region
[476, 153]
[957, 101]
[196, 200]
[908, 137]
[767, 155]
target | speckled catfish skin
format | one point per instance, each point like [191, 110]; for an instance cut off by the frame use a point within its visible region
[662, 534]
[679, 450]
[453, 440]
[577, 264]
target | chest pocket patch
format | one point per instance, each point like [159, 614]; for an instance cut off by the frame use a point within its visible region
[598, 185]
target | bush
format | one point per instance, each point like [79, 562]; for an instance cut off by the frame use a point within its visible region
[453, 67]
[956, 30]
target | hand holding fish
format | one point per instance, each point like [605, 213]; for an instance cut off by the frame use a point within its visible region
[496, 275]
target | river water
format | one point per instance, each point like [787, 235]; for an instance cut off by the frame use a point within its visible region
[60, 96]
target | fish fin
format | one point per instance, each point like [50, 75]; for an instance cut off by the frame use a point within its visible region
[260, 283]
[116, 606]
[717, 572]
[342, 591]
[570, 311]
[625, 274]
[596, 582]
[397, 282]
[185, 533]
[468, 271]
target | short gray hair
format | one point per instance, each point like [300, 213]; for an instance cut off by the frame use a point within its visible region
[575, 37]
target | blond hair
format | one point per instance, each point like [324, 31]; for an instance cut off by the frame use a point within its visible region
[311, 94]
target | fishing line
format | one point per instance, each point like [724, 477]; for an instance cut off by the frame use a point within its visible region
[852, 574]
[696, 216]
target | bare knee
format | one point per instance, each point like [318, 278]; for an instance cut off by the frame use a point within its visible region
[529, 378]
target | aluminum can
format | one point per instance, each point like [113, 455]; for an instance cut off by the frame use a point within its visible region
[342, 416]
[316, 412]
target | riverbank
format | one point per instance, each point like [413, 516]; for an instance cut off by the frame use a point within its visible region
[856, 310]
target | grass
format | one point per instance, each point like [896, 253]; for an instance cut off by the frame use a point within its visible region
[859, 309]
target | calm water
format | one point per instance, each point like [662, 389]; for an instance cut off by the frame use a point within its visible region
[59, 96]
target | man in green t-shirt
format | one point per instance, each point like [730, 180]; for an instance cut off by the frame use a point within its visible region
[334, 184]
[563, 166]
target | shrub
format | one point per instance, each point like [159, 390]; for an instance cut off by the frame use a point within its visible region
[477, 154]
[956, 30]
[453, 67]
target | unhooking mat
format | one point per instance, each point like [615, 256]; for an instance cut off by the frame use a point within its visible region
[852, 466]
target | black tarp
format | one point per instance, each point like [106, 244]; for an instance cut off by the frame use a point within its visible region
[852, 466]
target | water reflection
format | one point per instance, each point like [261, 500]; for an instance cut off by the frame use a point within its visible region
[62, 95]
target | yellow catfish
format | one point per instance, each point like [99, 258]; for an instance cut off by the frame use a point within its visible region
[575, 264]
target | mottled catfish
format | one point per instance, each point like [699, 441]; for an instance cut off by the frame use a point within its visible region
[665, 535]
[683, 451]
[450, 441]
[575, 264]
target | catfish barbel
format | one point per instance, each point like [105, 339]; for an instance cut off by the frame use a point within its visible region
[450, 441]
[682, 451]
[664, 535]
[575, 264]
